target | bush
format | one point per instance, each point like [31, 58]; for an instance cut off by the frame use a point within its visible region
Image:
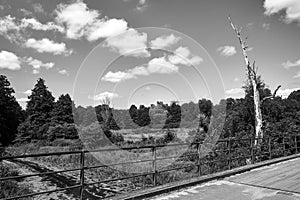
[10, 188]
[65, 131]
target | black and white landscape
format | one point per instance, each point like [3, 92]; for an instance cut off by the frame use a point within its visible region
[121, 98]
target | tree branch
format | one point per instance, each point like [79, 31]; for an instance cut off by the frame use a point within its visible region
[272, 96]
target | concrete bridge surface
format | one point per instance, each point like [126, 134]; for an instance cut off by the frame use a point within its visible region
[279, 181]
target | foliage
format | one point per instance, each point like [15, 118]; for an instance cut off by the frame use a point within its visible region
[62, 111]
[10, 188]
[47, 119]
[39, 107]
[105, 117]
[11, 114]
[63, 131]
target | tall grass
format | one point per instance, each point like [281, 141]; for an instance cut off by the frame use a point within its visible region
[11, 188]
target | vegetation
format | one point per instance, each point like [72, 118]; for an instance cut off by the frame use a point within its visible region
[45, 119]
[11, 114]
[10, 188]
[48, 125]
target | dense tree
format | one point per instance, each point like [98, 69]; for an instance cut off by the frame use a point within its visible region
[143, 116]
[295, 95]
[40, 100]
[62, 111]
[105, 117]
[140, 116]
[39, 108]
[62, 122]
[205, 108]
[173, 116]
[10, 112]
[133, 111]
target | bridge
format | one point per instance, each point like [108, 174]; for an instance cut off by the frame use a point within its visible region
[234, 169]
[276, 181]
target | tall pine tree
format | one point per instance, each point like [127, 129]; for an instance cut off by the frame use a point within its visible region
[62, 112]
[62, 121]
[39, 108]
[10, 112]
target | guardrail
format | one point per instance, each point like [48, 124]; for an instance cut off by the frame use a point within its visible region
[270, 148]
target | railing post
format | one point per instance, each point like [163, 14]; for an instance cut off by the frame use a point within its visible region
[229, 153]
[252, 150]
[270, 148]
[154, 165]
[199, 159]
[81, 174]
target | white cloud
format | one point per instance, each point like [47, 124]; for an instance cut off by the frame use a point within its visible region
[46, 45]
[291, 8]
[36, 25]
[90, 24]
[266, 26]
[8, 23]
[102, 96]
[28, 92]
[35, 71]
[25, 12]
[75, 17]
[10, 30]
[106, 28]
[9, 60]
[142, 5]
[227, 51]
[161, 66]
[37, 64]
[63, 72]
[286, 92]
[235, 93]
[38, 8]
[297, 75]
[22, 99]
[288, 64]
[130, 43]
[120, 38]
[164, 41]
[182, 55]
[116, 77]
[139, 71]
[166, 64]
[16, 30]
[249, 48]
[155, 66]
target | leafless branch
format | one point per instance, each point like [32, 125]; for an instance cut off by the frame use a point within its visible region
[272, 96]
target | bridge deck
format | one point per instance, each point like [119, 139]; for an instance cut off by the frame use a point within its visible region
[280, 181]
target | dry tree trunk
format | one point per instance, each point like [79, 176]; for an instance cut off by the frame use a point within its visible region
[253, 81]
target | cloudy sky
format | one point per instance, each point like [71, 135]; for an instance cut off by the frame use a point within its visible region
[140, 51]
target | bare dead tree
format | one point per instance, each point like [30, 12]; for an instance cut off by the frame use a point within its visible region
[106, 100]
[272, 96]
[252, 77]
[106, 109]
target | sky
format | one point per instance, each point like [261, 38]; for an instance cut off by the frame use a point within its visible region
[142, 51]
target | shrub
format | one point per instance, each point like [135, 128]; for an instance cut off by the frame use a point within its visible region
[10, 188]
[66, 131]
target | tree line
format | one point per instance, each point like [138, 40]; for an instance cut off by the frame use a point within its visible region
[47, 119]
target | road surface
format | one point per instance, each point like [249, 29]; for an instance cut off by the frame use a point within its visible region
[275, 182]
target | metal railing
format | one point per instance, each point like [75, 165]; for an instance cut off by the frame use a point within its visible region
[231, 148]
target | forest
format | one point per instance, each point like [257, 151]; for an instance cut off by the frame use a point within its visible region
[45, 119]
[46, 125]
